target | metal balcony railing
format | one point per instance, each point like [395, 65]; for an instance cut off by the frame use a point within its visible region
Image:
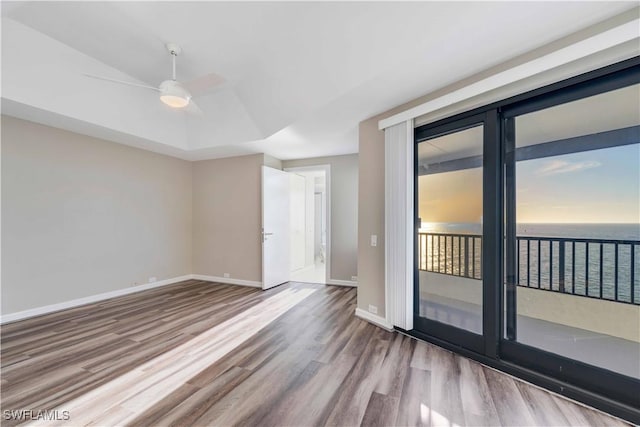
[595, 268]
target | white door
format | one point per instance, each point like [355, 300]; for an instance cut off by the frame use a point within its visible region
[275, 227]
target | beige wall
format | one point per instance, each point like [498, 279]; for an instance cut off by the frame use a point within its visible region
[371, 216]
[99, 218]
[344, 212]
[103, 216]
[227, 217]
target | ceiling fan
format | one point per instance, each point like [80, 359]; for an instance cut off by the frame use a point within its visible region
[172, 92]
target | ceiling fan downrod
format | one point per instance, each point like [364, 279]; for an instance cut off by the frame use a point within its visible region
[174, 50]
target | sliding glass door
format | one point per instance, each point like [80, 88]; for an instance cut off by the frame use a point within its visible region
[527, 236]
[449, 208]
[572, 195]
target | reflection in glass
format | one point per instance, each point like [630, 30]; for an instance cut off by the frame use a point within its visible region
[449, 237]
[578, 230]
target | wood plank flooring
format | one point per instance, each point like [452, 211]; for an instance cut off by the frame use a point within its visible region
[297, 357]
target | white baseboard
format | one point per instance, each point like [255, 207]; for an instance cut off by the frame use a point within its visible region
[227, 280]
[32, 312]
[342, 283]
[375, 319]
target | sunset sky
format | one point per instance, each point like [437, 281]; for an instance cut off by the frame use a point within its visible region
[451, 196]
[601, 186]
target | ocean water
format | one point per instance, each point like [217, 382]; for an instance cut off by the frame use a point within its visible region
[586, 231]
[589, 267]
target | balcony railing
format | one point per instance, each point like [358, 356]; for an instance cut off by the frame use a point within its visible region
[595, 268]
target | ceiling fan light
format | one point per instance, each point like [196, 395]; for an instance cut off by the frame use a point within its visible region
[173, 94]
[174, 101]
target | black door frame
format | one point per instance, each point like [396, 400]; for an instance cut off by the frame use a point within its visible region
[458, 336]
[607, 390]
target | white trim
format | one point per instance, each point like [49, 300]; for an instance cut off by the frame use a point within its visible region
[38, 311]
[327, 207]
[409, 236]
[375, 319]
[581, 49]
[227, 280]
[342, 283]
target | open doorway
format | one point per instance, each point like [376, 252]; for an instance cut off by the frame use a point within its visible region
[309, 224]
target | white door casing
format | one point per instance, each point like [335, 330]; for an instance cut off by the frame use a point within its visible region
[326, 217]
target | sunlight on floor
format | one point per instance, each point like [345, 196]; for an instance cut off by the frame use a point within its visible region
[122, 399]
[430, 417]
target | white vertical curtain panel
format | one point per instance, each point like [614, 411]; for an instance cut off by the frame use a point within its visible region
[398, 179]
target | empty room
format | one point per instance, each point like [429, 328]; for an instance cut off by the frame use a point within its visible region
[320, 213]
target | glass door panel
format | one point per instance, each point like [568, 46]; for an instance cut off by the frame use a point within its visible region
[449, 236]
[573, 282]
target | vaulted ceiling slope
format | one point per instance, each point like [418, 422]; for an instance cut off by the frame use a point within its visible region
[298, 76]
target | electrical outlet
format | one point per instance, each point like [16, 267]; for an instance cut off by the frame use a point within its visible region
[227, 275]
[354, 278]
[153, 279]
[373, 309]
[374, 240]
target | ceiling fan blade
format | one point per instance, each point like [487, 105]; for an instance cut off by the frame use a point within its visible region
[108, 79]
[204, 83]
[193, 109]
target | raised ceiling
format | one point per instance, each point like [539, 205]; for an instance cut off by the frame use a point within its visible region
[298, 76]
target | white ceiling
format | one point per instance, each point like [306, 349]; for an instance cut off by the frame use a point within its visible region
[298, 76]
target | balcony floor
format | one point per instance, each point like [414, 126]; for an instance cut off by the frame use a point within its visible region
[605, 351]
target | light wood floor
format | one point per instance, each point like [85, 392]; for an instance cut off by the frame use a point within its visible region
[196, 353]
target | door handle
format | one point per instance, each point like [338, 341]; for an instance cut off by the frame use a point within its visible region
[264, 236]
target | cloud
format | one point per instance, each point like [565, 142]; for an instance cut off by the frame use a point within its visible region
[560, 166]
